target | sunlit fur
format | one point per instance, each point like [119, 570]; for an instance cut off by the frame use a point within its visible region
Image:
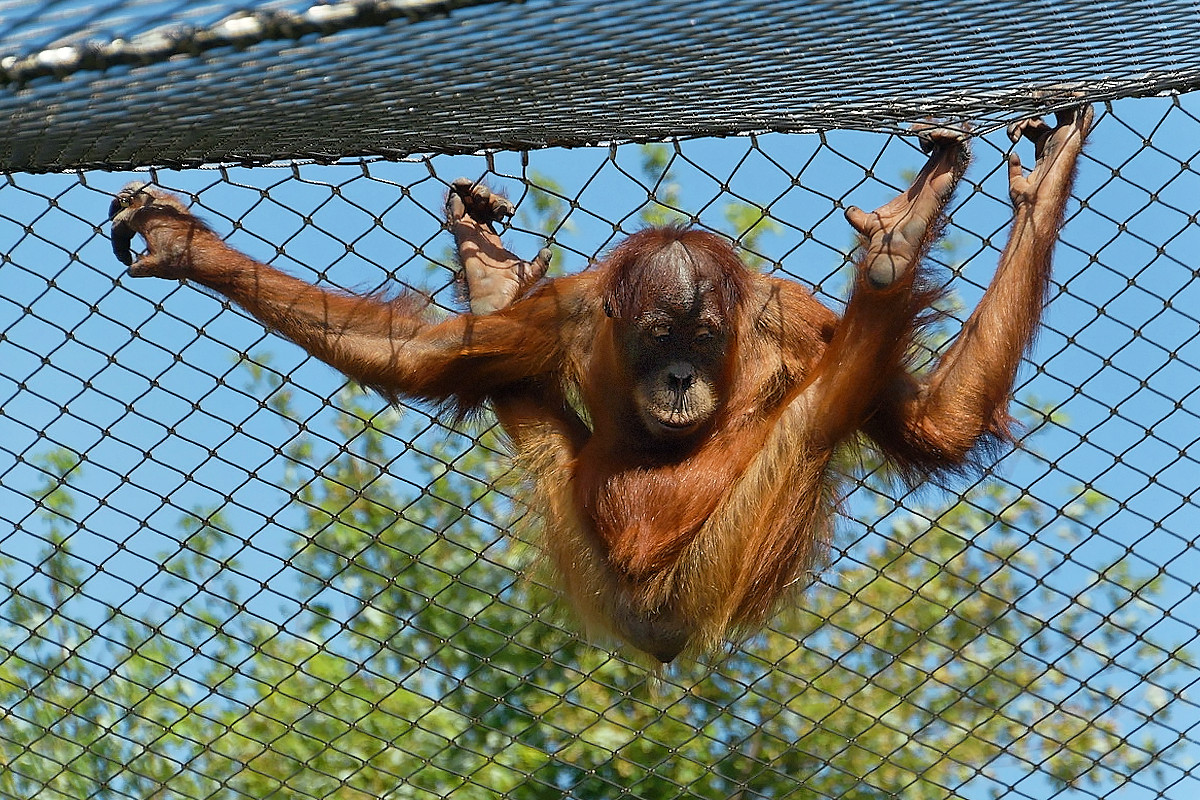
[677, 543]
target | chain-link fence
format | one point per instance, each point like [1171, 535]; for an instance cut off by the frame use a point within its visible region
[228, 574]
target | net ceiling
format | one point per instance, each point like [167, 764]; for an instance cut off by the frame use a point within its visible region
[153, 82]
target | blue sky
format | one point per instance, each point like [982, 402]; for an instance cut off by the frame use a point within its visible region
[133, 373]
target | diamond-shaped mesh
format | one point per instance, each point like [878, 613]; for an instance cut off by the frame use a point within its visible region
[225, 573]
[135, 82]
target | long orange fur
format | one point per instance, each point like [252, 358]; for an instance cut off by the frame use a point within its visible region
[679, 546]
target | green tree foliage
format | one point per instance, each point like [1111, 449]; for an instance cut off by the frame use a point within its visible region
[426, 660]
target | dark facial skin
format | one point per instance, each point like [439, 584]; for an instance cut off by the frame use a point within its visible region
[679, 412]
[675, 345]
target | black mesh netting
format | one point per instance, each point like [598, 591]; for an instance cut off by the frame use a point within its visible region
[131, 83]
[225, 573]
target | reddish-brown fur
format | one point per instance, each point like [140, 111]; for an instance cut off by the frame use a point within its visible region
[677, 413]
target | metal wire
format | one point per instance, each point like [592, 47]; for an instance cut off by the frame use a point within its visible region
[123, 84]
[224, 573]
